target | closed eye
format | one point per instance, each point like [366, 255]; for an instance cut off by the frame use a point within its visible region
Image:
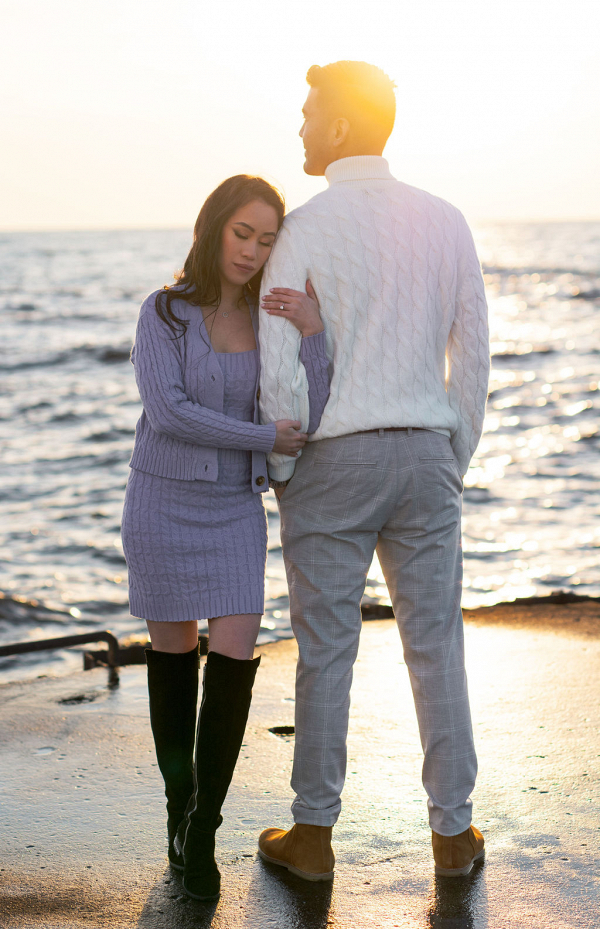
[268, 244]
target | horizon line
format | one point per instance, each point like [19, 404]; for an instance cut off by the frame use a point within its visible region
[185, 228]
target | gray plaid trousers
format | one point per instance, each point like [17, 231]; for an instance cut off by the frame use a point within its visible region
[399, 494]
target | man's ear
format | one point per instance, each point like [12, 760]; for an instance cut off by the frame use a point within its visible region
[340, 130]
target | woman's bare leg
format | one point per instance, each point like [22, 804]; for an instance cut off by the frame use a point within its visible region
[234, 636]
[176, 638]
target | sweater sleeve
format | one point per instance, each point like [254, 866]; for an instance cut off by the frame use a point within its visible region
[159, 376]
[284, 384]
[467, 352]
[313, 356]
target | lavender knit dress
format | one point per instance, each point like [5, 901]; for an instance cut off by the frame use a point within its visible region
[196, 549]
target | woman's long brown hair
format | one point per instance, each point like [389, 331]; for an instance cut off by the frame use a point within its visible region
[199, 283]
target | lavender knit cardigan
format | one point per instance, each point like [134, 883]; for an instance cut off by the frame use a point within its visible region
[181, 384]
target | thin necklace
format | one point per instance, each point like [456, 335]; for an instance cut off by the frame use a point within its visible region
[226, 313]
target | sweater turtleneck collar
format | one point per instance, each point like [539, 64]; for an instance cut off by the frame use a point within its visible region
[358, 168]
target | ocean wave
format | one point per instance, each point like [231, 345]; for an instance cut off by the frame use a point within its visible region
[66, 417]
[105, 354]
[591, 295]
[34, 406]
[545, 271]
[522, 351]
[16, 609]
[111, 556]
[83, 462]
[112, 355]
[22, 307]
[111, 435]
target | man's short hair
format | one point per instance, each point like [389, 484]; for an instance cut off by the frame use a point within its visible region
[360, 92]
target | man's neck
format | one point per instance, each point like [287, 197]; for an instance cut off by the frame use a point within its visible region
[358, 168]
[358, 152]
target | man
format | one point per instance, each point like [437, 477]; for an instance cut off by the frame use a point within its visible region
[402, 302]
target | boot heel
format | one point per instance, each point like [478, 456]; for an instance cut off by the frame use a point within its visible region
[202, 879]
[175, 850]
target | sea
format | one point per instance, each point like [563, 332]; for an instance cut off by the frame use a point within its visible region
[69, 405]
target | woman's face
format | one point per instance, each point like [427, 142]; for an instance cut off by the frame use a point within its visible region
[248, 237]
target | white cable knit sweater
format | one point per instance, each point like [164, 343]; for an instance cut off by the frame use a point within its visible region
[403, 305]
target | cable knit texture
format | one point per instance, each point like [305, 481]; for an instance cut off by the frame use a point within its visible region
[182, 387]
[403, 305]
[196, 548]
[313, 357]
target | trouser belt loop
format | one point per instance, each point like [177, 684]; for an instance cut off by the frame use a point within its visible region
[409, 430]
[381, 433]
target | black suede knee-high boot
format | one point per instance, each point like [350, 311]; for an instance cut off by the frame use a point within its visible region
[173, 693]
[222, 721]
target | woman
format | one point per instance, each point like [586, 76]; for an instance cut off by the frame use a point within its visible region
[194, 526]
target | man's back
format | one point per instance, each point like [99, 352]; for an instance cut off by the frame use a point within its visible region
[402, 302]
[404, 311]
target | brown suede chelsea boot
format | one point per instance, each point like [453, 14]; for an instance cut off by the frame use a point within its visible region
[455, 855]
[304, 850]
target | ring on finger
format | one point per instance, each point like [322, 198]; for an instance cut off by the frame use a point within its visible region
[282, 306]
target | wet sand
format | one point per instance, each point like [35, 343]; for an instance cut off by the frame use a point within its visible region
[83, 820]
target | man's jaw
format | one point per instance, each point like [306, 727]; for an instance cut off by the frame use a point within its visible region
[311, 169]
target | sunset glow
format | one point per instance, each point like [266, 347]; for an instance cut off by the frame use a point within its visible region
[127, 115]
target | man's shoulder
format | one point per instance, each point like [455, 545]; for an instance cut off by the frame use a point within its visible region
[305, 213]
[421, 199]
[397, 190]
[415, 205]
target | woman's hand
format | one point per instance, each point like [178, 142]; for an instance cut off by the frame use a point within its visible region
[289, 440]
[302, 309]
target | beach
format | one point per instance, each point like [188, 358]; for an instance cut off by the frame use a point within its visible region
[84, 820]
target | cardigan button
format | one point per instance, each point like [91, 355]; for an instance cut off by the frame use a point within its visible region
[260, 480]
[258, 394]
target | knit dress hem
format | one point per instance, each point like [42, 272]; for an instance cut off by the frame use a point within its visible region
[205, 607]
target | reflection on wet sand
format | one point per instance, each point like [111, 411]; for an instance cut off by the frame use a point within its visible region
[456, 902]
[83, 805]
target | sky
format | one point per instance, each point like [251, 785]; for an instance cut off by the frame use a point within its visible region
[127, 113]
